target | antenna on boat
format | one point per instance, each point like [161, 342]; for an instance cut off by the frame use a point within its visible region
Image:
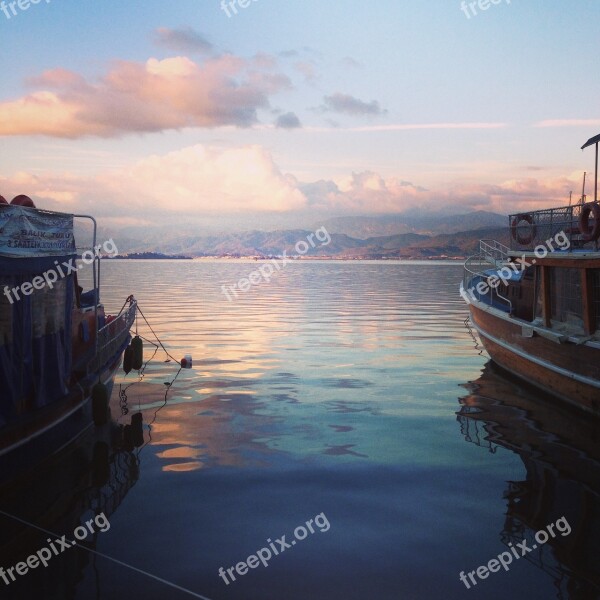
[582, 200]
[570, 197]
[594, 141]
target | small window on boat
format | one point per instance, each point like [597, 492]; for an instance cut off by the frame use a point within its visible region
[566, 306]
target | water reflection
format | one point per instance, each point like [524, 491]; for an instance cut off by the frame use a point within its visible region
[560, 451]
[84, 480]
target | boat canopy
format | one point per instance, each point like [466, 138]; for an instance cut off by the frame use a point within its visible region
[591, 141]
[36, 301]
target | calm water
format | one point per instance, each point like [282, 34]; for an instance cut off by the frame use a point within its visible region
[348, 389]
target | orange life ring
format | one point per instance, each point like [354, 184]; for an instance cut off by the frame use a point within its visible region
[589, 234]
[523, 240]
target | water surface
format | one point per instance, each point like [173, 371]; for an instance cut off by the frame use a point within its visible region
[351, 389]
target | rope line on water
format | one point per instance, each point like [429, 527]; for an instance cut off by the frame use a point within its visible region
[115, 560]
[157, 338]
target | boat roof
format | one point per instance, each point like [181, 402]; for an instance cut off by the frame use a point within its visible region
[591, 141]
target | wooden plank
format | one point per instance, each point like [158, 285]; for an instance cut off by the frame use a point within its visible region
[566, 261]
[581, 360]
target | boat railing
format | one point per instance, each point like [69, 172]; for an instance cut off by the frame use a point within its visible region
[112, 338]
[477, 271]
[529, 230]
[495, 251]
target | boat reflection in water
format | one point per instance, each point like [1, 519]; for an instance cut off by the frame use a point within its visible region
[90, 477]
[561, 454]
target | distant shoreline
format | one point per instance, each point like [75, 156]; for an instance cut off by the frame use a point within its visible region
[304, 258]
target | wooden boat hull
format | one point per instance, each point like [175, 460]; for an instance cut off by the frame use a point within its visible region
[568, 371]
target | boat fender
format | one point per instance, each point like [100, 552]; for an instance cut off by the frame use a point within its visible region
[137, 429]
[23, 200]
[590, 233]
[523, 240]
[127, 360]
[100, 404]
[138, 352]
[3, 200]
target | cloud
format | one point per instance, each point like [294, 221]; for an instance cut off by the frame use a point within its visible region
[568, 123]
[157, 95]
[202, 182]
[194, 181]
[405, 127]
[366, 192]
[348, 61]
[288, 121]
[307, 69]
[183, 40]
[344, 103]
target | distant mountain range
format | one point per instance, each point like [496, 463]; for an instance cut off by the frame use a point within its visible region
[397, 236]
[413, 222]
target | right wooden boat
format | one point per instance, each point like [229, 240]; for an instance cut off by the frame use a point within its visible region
[536, 304]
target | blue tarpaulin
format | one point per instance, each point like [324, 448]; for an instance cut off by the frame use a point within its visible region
[35, 313]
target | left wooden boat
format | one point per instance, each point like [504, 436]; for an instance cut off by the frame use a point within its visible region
[59, 351]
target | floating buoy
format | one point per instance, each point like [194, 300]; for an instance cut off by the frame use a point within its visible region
[100, 404]
[138, 352]
[186, 362]
[137, 429]
[3, 200]
[128, 360]
[23, 200]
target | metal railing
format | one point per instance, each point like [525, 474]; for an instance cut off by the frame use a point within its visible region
[529, 230]
[477, 269]
[112, 338]
[495, 251]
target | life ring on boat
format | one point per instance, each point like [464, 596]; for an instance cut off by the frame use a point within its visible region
[523, 240]
[590, 234]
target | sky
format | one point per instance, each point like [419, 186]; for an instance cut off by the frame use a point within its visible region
[280, 113]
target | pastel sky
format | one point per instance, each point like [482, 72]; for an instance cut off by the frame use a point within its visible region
[152, 112]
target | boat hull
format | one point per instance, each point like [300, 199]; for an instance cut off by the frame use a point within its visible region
[70, 419]
[567, 371]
